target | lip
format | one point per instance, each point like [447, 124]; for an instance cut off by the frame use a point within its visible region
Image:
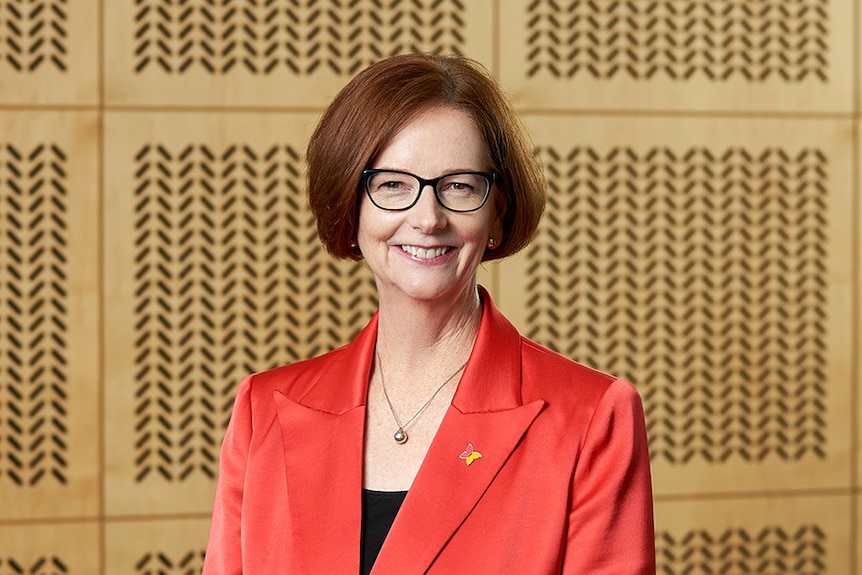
[425, 254]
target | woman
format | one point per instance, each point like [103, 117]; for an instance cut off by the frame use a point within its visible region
[439, 432]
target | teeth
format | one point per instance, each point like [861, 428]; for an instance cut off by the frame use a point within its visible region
[424, 254]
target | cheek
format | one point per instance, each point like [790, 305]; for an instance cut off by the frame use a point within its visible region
[373, 225]
[365, 221]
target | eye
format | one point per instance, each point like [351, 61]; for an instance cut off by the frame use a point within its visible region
[390, 182]
[462, 184]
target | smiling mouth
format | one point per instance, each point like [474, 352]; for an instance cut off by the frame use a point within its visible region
[425, 254]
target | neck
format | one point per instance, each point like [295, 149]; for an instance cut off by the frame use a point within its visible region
[418, 337]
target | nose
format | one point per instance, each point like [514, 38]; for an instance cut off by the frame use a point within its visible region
[427, 214]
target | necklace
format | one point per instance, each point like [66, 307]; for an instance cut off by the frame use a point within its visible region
[400, 434]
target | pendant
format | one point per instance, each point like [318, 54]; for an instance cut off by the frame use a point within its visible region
[400, 436]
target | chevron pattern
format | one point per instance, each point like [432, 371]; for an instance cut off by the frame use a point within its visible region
[719, 40]
[33, 315]
[699, 275]
[41, 566]
[297, 37]
[770, 551]
[192, 563]
[231, 279]
[33, 33]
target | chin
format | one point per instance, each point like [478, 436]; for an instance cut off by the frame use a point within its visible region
[426, 293]
[429, 291]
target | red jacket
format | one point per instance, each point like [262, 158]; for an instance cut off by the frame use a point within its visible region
[562, 485]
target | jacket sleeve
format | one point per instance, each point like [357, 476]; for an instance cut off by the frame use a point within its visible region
[611, 515]
[223, 554]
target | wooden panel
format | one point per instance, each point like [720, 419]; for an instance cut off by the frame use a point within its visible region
[856, 288]
[691, 257]
[48, 52]
[857, 72]
[49, 549]
[703, 241]
[167, 547]
[735, 55]
[769, 535]
[49, 331]
[274, 54]
[216, 272]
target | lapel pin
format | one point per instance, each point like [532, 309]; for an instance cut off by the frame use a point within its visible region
[470, 455]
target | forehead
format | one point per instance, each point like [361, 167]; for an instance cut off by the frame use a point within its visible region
[435, 141]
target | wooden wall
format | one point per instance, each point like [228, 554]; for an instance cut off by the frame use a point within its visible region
[702, 240]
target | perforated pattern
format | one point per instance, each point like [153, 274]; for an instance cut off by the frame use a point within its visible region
[39, 566]
[298, 37]
[783, 40]
[33, 34]
[33, 315]
[231, 279]
[161, 563]
[771, 550]
[699, 275]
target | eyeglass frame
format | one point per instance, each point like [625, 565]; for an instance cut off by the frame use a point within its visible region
[490, 177]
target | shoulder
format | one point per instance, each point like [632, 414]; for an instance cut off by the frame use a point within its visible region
[565, 383]
[545, 365]
[254, 403]
[294, 379]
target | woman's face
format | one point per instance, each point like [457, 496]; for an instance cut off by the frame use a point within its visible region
[428, 252]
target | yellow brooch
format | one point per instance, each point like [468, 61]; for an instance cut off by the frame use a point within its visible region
[470, 455]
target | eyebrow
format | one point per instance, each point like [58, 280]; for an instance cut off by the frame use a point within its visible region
[444, 173]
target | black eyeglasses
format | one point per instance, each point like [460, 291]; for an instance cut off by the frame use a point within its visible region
[393, 190]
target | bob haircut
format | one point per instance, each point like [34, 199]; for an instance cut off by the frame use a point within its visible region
[377, 103]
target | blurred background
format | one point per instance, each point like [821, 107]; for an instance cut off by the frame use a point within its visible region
[701, 240]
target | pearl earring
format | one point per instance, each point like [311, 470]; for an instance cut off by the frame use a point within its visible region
[492, 243]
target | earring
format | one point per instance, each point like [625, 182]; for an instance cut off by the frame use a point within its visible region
[492, 243]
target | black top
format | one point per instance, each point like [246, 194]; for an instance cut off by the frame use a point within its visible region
[379, 509]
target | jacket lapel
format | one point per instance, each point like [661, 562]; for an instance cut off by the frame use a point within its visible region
[446, 489]
[486, 417]
[324, 479]
[322, 421]
[322, 425]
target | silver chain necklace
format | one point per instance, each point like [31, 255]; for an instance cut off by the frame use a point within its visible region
[400, 434]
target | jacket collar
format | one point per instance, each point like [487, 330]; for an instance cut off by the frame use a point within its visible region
[491, 380]
[323, 423]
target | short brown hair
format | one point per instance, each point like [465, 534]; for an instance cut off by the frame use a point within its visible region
[377, 103]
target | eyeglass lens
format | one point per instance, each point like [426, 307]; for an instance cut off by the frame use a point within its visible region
[458, 192]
